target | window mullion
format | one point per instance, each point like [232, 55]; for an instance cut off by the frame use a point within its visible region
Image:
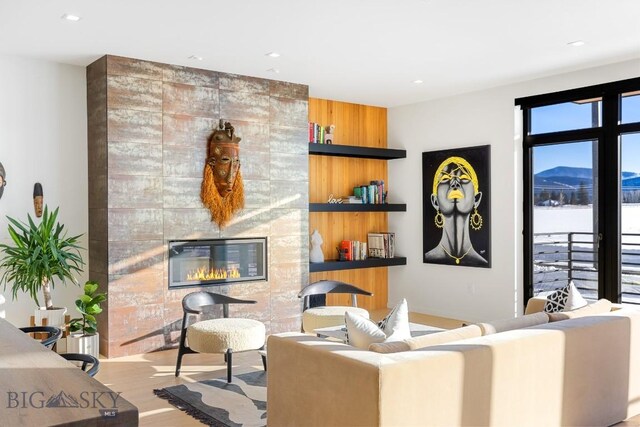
[609, 209]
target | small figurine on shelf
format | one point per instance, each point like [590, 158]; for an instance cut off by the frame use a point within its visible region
[328, 135]
[315, 253]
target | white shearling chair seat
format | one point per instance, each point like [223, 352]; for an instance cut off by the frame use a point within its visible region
[219, 335]
[323, 317]
[226, 335]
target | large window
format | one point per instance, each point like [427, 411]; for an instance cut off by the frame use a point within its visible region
[582, 191]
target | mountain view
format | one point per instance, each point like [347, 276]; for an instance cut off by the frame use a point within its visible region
[571, 185]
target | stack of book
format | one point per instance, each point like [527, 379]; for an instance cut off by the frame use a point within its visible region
[319, 134]
[352, 250]
[373, 193]
[382, 245]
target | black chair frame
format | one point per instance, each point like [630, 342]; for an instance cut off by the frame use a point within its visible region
[197, 303]
[54, 334]
[86, 360]
[330, 287]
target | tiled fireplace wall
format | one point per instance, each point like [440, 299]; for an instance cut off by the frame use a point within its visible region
[148, 126]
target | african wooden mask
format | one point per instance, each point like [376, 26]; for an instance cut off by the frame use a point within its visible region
[222, 191]
[38, 199]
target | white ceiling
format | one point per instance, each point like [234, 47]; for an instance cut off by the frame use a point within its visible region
[363, 51]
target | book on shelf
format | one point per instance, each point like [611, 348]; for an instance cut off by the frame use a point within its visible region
[372, 193]
[352, 250]
[319, 134]
[381, 245]
[345, 251]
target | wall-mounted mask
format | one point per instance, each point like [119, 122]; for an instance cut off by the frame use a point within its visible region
[38, 199]
[3, 181]
[222, 190]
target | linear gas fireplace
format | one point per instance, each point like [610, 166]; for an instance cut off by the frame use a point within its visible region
[216, 261]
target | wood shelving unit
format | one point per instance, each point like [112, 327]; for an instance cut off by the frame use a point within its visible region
[336, 169]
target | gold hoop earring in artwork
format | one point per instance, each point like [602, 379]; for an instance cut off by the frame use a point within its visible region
[439, 219]
[476, 220]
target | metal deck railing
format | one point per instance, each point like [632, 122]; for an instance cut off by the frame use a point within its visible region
[564, 256]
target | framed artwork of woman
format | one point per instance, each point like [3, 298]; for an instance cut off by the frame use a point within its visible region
[456, 207]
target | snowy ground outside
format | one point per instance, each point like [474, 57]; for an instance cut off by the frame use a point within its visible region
[551, 269]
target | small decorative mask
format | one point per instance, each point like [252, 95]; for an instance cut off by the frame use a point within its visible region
[222, 190]
[3, 181]
[38, 197]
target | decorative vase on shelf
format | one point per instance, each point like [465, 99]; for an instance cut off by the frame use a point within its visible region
[315, 254]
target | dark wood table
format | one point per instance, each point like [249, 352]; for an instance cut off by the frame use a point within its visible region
[40, 388]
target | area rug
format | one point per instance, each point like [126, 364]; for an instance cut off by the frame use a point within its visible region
[243, 402]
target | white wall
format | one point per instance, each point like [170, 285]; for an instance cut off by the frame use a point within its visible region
[43, 138]
[485, 117]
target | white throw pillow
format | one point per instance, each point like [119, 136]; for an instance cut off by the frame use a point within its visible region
[396, 324]
[362, 332]
[574, 300]
[564, 299]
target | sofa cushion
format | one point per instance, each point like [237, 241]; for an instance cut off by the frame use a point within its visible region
[423, 341]
[567, 298]
[444, 337]
[600, 306]
[389, 347]
[525, 321]
[535, 304]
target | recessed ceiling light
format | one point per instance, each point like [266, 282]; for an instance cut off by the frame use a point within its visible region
[576, 43]
[418, 82]
[273, 54]
[70, 17]
[196, 57]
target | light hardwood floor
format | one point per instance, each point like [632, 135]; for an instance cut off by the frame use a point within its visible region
[137, 376]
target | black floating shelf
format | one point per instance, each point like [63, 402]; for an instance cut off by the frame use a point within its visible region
[357, 207]
[356, 151]
[333, 265]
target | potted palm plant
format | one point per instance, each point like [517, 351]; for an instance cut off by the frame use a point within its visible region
[84, 336]
[39, 254]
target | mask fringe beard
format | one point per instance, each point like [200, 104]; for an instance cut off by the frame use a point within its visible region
[222, 208]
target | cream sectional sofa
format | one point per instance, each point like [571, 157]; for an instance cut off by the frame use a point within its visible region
[581, 371]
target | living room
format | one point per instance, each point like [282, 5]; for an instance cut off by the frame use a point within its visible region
[66, 85]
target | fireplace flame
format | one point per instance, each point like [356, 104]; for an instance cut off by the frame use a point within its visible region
[213, 274]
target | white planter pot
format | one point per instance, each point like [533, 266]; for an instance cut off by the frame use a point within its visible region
[86, 344]
[54, 317]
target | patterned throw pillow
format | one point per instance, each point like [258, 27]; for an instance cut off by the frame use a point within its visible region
[564, 299]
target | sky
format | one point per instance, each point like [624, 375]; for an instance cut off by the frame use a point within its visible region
[579, 154]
